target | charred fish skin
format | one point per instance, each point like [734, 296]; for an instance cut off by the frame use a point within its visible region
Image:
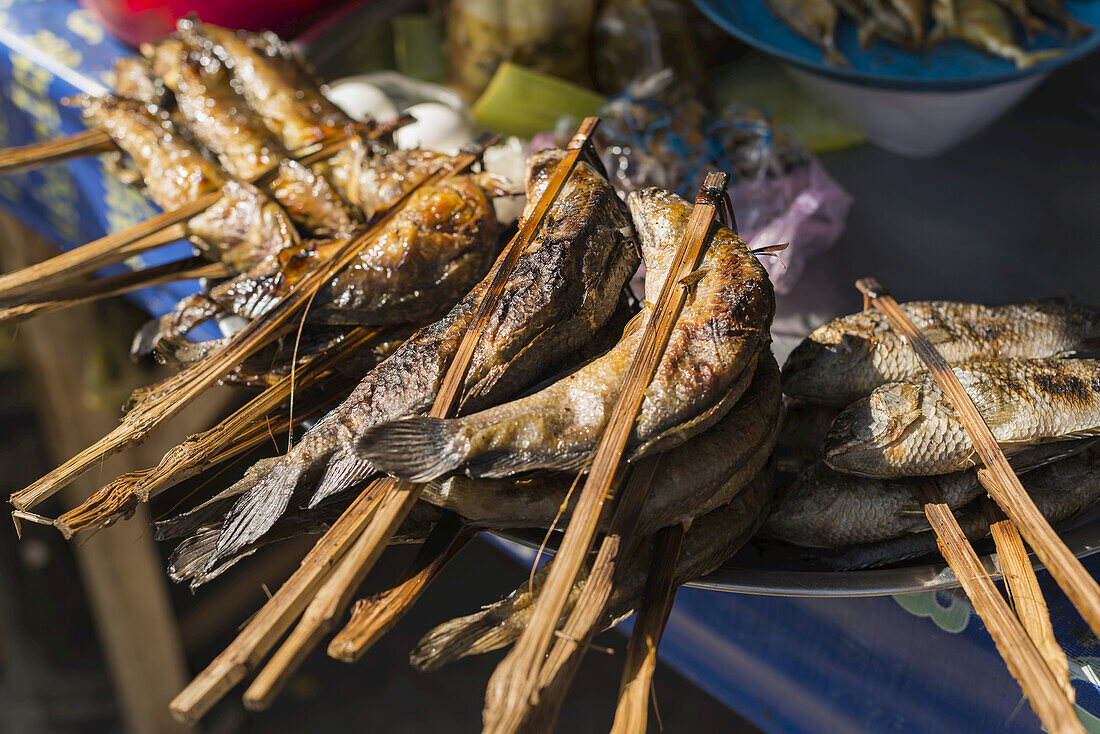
[174, 171]
[849, 357]
[1061, 491]
[243, 228]
[711, 540]
[692, 479]
[372, 183]
[565, 285]
[911, 429]
[719, 335]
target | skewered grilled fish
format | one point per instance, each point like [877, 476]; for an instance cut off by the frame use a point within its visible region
[846, 359]
[274, 82]
[712, 539]
[692, 479]
[564, 287]
[1060, 491]
[910, 428]
[718, 336]
[823, 508]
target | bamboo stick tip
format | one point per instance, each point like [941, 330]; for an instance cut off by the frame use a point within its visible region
[343, 650]
[871, 288]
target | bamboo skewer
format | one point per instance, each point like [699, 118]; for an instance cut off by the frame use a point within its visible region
[1025, 594]
[632, 710]
[275, 617]
[1023, 658]
[400, 496]
[514, 683]
[265, 629]
[239, 432]
[998, 478]
[154, 232]
[189, 383]
[115, 285]
[85, 142]
[373, 617]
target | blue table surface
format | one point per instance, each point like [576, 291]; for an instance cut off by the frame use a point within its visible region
[916, 663]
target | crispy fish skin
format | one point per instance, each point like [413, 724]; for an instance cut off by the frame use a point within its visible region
[174, 171]
[717, 338]
[712, 539]
[823, 508]
[1061, 491]
[911, 429]
[849, 357]
[692, 479]
[243, 228]
[564, 287]
[813, 20]
[371, 184]
[274, 82]
[135, 79]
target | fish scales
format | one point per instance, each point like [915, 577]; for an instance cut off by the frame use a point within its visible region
[911, 429]
[849, 357]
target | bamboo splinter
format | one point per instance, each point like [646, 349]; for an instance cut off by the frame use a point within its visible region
[514, 684]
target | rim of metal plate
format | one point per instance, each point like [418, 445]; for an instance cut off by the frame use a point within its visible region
[1083, 539]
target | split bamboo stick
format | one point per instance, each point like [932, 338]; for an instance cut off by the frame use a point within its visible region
[514, 684]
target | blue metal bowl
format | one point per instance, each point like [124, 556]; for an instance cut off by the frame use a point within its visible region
[951, 65]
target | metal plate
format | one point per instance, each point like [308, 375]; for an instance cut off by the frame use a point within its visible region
[758, 570]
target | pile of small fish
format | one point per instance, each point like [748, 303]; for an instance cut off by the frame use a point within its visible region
[867, 424]
[917, 24]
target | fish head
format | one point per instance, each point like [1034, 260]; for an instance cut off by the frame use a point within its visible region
[865, 429]
[660, 218]
[829, 365]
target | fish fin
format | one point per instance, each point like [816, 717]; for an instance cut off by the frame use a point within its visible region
[192, 554]
[418, 449]
[257, 510]
[506, 464]
[342, 472]
[1026, 60]
[473, 634]
[692, 278]
[214, 509]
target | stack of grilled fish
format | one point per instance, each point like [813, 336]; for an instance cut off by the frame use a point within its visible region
[562, 337]
[868, 424]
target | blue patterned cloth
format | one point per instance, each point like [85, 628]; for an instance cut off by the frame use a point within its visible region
[918, 663]
[51, 50]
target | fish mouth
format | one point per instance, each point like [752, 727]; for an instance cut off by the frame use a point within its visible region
[867, 430]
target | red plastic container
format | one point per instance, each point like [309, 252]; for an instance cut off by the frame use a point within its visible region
[138, 21]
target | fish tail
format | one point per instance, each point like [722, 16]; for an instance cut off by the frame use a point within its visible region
[255, 512]
[417, 449]
[1027, 60]
[474, 634]
[834, 57]
[192, 554]
[342, 472]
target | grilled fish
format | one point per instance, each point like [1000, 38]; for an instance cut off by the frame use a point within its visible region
[692, 479]
[1061, 491]
[986, 25]
[275, 83]
[813, 20]
[564, 287]
[1032, 23]
[915, 15]
[174, 171]
[135, 79]
[706, 367]
[846, 359]
[712, 539]
[911, 429]
[823, 508]
[371, 184]
[1056, 11]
